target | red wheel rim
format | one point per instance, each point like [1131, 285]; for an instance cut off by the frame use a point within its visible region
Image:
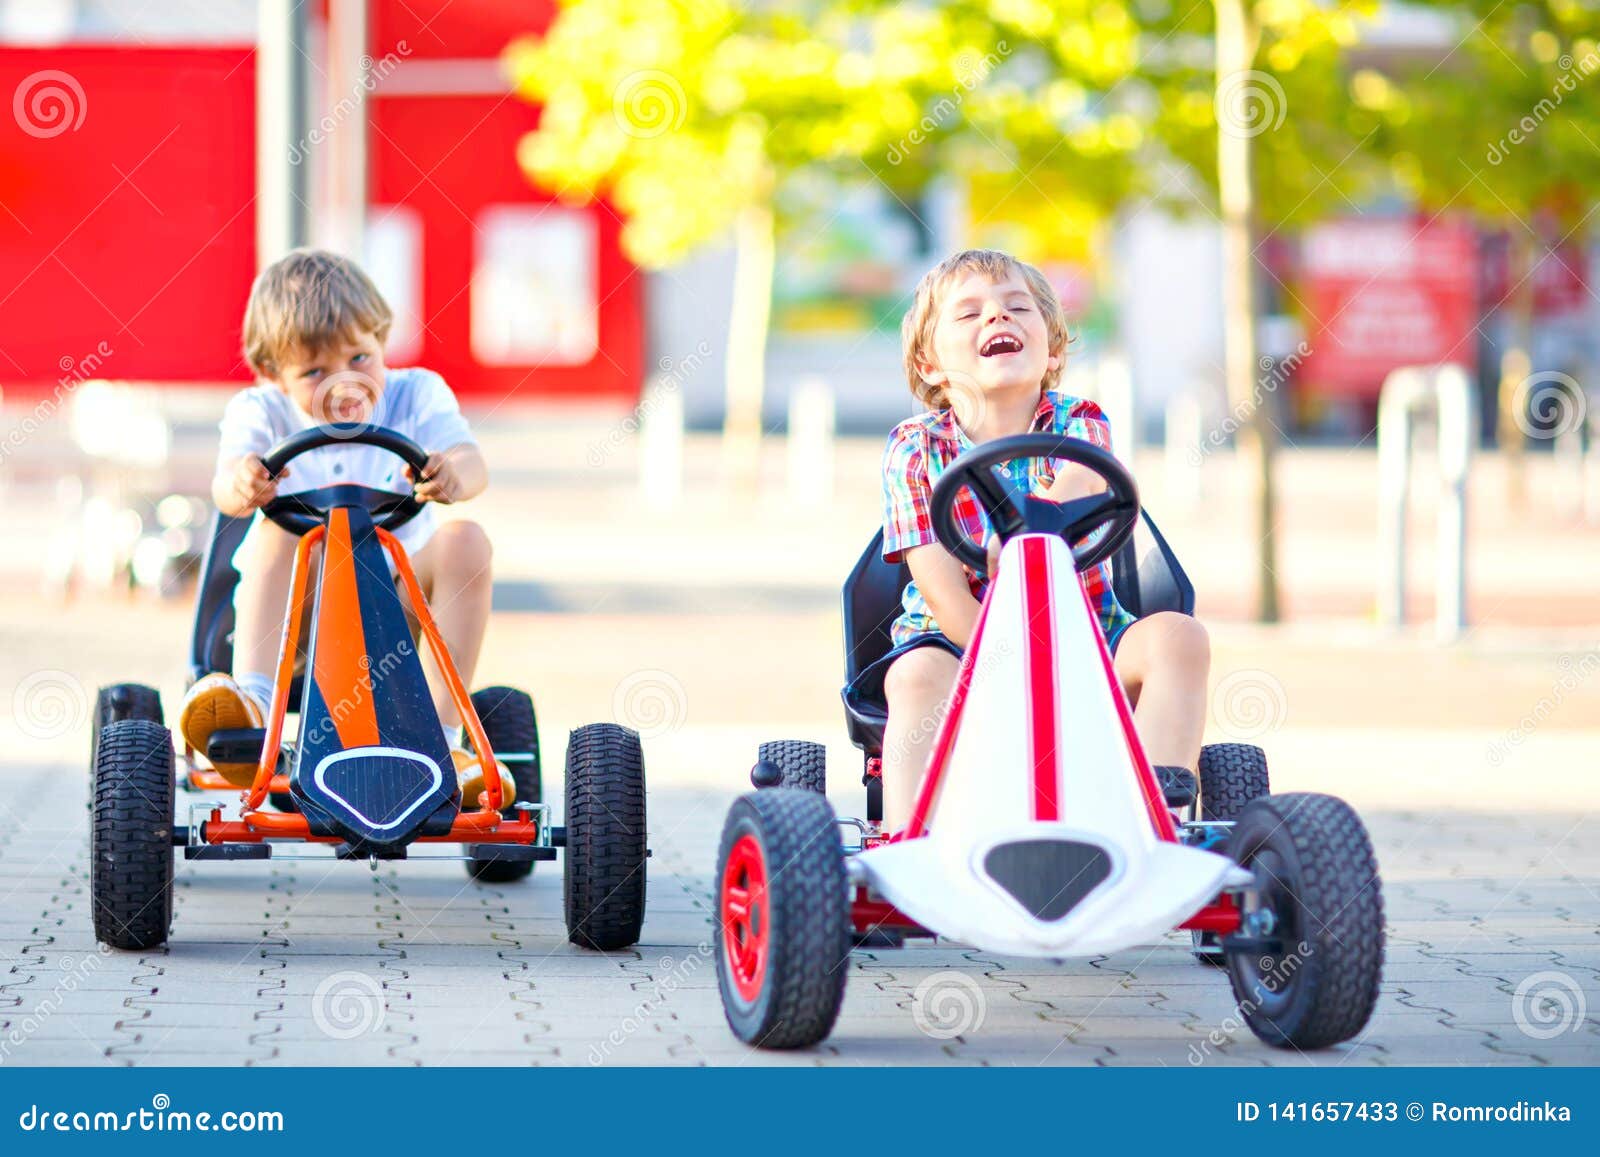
[745, 917]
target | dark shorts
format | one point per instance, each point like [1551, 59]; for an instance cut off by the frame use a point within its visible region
[868, 686]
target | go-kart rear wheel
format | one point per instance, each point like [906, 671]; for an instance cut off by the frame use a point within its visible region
[782, 928]
[130, 835]
[604, 881]
[804, 764]
[116, 702]
[1308, 978]
[512, 727]
[1231, 776]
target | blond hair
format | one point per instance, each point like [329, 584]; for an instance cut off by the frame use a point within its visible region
[916, 330]
[310, 300]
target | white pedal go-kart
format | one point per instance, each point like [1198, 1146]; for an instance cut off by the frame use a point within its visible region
[1040, 829]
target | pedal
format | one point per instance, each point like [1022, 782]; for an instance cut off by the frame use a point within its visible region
[1178, 786]
[510, 853]
[878, 938]
[228, 852]
[235, 745]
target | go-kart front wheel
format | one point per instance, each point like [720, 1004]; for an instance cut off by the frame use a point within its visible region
[604, 882]
[1307, 975]
[130, 835]
[782, 925]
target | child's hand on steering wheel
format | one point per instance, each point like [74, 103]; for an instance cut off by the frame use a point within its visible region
[253, 484]
[440, 481]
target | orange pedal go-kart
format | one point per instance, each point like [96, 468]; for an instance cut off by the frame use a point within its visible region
[368, 773]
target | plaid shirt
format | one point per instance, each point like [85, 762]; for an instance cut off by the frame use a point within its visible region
[921, 448]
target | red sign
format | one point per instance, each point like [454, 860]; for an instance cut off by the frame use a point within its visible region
[1386, 293]
[127, 222]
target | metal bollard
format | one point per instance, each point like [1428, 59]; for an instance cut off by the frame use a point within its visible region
[1446, 393]
[1184, 451]
[661, 445]
[812, 421]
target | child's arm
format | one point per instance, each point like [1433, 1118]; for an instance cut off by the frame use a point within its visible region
[452, 475]
[243, 484]
[943, 582]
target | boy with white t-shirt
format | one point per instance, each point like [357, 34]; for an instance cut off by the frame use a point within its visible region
[314, 331]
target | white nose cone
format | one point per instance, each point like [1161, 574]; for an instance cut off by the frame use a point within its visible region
[1048, 835]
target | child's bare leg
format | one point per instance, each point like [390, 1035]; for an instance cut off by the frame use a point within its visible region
[454, 572]
[1163, 661]
[261, 599]
[917, 687]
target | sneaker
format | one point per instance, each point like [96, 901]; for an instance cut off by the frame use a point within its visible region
[473, 784]
[217, 703]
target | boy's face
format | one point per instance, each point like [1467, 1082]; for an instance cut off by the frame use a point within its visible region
[989, 334]
[341, 383]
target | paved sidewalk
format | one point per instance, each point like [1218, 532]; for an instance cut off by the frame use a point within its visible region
[322, 963]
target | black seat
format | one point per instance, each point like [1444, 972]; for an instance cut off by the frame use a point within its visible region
[872, 601]
[211, 645]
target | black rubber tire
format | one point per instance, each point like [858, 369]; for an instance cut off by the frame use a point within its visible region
[130, 835]
[604, 881]
[1231, 776]
[804, 764]
[510, 723]
[283, 801]
[116, 702]
[808, 914]
[1315, 860]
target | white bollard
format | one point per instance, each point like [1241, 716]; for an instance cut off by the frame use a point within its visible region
[1185, 451]
[1114, 391]
[812, 421]
[661, 445]
[1447, 394]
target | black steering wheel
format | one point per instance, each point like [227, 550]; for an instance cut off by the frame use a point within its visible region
[1116, 508]
[299, 513]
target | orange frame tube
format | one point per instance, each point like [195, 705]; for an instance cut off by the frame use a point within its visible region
[255, 825]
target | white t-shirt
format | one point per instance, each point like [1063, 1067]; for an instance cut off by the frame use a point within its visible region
[415, 402]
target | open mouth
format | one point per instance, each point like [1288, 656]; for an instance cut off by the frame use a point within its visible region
[1001, 343]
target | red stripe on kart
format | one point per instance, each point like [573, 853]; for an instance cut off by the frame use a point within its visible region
[1043, 709]
[946, 738]
[1160, 817]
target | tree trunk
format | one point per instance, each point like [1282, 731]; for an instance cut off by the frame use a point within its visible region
[755, 253]
[1516, 363]
[1236, 49]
